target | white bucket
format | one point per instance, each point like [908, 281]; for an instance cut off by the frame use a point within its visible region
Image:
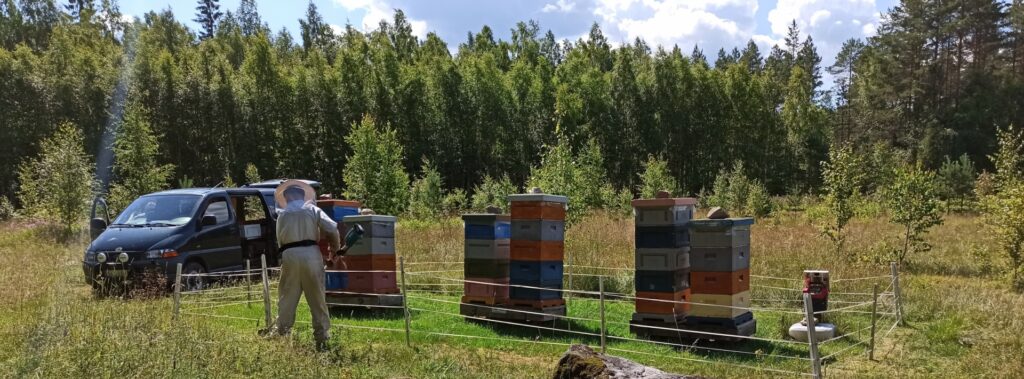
[822, 331]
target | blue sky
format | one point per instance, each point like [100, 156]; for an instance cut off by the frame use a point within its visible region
[712, 24]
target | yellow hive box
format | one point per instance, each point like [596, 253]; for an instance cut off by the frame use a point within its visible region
[704, 305]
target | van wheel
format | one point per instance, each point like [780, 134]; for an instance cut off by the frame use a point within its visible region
[193, 283]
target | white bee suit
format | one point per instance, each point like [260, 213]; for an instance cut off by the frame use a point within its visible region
[302, 267]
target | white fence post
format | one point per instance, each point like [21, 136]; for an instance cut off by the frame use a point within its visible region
[177, 292]
[874, 318]
[604, 330]
[811, 337]
[897, 296]
[405, 302]
[266, 292]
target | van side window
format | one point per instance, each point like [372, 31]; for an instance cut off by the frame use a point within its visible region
[218, 208]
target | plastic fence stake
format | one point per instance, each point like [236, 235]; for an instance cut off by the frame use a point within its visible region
[874, 319]
[177, 291]
[266, 291]
[812, 338]
[405, 302]
[896, 292]
[604, 330]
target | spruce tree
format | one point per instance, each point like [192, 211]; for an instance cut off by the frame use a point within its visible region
[207, 14]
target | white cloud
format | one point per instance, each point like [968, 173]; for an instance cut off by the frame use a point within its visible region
[376, 11]
[337, 29]
[561, 6]
[710, 24]
[829, 22]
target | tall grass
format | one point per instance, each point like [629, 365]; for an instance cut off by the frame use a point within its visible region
[961, 315]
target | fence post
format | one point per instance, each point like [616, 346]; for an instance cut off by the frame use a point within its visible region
[266, 291]
[874, 318]
[177, 292]
[897, 296]
[812, 338]
[248, 283]
[604, 330]
[571, 272]
[405, 301]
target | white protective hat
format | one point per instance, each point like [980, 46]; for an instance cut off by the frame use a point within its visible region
[309, 192]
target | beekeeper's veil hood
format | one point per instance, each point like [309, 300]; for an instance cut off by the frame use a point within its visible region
[293, 192]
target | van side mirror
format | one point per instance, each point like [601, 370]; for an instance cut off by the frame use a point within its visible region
[96, 226]
[209, 220]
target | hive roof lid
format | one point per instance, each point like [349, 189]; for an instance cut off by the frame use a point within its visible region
[539, 197]
[661, 203]
[486, 217]
[362, 218]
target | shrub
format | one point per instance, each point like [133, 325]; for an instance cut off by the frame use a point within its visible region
[912, 203]
[455, 202]
[580, 177]
[1003, 206]
[6, 209]
[426, 195]
[957, 178]
[58, 184]
[656, 177]
[492, 192]
[738, 194]
[842, 177]
[252, 175]
[374, 172]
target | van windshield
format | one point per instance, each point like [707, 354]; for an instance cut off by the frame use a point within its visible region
[158, 210]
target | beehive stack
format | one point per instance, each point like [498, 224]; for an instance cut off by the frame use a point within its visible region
[371, 260]
[662, 259]
[486, 259]
[336, 210]
[720, 276]
[537, 251]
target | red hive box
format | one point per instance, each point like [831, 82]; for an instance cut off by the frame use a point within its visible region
[538, 210]
[663, 307]
[372, 282]
[377, 262]
[720, 283]
[496, 288]
[537, 250]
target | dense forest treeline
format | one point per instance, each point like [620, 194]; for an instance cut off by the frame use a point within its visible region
[936, 82]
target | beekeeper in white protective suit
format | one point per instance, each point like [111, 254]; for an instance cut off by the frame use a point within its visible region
[300, 224]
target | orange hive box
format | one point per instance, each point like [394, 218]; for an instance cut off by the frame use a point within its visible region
[720, 283]
[536, 250]
[499, 288]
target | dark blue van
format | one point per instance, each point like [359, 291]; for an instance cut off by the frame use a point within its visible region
[207, 230]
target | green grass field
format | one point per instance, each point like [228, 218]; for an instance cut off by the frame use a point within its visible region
[961, 316]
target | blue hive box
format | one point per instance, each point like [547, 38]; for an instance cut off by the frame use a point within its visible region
[662, 237]
[534, 273]
[485, 226]
[336, 280]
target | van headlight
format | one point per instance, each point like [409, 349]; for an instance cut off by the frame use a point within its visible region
[101, 257]
[122, 258]
[161, 253]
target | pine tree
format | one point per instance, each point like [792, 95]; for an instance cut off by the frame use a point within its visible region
[207, 14]
[249, 18]
[316, 34]
[76, 7]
